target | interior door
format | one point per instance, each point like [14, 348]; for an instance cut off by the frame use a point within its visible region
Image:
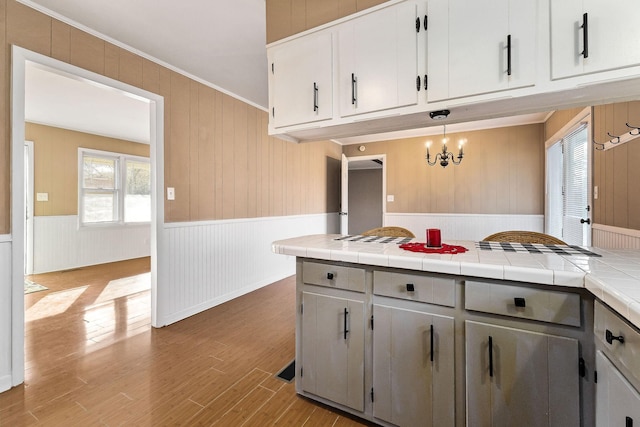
[344, 196]
[576, 218]
[28, 207]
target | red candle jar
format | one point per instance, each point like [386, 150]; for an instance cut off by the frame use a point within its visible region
[433, 238]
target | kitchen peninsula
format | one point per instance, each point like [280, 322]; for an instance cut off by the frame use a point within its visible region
[483, 337]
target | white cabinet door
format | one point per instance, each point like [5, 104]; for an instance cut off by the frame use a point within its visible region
[333, 349]
[617, 402]
[378, 60]
[413, 367]
[520, 378]
[301, 80]
[612, 36]
[480, 47]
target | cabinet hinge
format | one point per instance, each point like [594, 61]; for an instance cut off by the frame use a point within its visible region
[372, 394]
[417, 25]
[582, 370]
[595, 377]
[372, 322]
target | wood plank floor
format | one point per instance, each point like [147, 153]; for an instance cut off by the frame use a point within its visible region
[92, 358]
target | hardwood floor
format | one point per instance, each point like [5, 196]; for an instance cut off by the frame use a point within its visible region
[92, 358]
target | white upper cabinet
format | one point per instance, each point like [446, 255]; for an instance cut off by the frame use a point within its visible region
[377, 60]
[301, 82]
[480, 46]
[589, 36]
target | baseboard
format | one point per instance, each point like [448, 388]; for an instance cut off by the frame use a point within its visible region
[5, 383]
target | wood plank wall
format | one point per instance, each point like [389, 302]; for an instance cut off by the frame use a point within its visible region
[615, 171]
[218, 155]
[502, 173]
[56, 164]
[289, 17]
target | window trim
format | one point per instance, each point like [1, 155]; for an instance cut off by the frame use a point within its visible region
[120, 190]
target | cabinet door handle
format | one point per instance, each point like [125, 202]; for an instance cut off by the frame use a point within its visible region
[508, 54]
[519, 302]
[346, 331]
[585, 35]
[628, 422]
[611, 338]
[354, 89]
[410, 287]
[491, 356]
[330, 276]
[418, 83]
[431, 343]
[315, 96]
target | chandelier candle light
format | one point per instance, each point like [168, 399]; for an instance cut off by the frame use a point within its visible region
[445, 156]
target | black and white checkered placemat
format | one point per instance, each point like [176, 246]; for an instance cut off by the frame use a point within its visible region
[375, 239]
[535, 248]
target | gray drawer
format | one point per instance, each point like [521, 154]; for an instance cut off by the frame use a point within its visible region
[627, 352]
[430, 289]
[539, 304]
[333, 276]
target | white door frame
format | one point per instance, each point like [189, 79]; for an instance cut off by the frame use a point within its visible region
[19, 58]
[29, 212]
[344, 193]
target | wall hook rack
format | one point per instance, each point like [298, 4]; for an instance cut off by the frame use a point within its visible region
[598, 145]
[633, 128]
[614, 139]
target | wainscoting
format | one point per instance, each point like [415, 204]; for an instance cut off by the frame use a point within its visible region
[5, 312]
[207, 263]
[60, 245]
[464, 226]
[609, 237]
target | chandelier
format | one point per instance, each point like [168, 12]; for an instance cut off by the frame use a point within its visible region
[444, 157]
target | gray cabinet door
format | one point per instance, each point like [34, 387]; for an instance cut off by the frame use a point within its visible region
[617, 402]
[413, 367]
[333, 349]
[517, 377]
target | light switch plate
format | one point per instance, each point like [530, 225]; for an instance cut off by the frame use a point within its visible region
[595, 192]
[42, 197]
[390, 198]
[171, 193]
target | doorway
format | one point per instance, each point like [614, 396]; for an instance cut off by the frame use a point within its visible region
[20, 58]
[363, 191]
[28, 207]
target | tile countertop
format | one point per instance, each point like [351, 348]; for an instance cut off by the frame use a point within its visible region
[613, 278]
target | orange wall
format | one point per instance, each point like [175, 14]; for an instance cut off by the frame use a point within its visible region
[216, 147]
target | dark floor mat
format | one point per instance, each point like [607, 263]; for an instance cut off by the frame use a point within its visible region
[288, 373]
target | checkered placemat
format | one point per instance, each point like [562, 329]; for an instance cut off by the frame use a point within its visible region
[535, 248]
[374, 239]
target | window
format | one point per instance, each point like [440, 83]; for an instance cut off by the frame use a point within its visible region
[113, 188]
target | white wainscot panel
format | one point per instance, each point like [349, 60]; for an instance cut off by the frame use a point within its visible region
[203, 264]
[608, 237]
[473, 227]
[5, 315]
[60, 245]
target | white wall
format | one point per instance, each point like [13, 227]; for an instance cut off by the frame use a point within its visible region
[5, 312]
[60, 245]
[464, 226]
[210, 262]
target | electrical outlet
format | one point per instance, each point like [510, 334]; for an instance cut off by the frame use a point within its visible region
[42, 197]
[171, 193]
[390, 198]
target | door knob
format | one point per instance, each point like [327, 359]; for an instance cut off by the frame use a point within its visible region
[582, 221]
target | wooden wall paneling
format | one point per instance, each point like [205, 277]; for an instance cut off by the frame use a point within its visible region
[347, 7]
[288, 168]
[28, 28]
[278, 15]
[178, 162]
[366, 4]
[252, 162]
[502, 188]
[112, 61]
[228, 159]
[620, 117]
[620, 186]
[264, 167]
[218, 154]
[299, 16]
[597, 118]
[528, 159]
[634, 113]
[608, 187]
[321, 12]
[559, 119]
[164, 78]
[60, 41]
[193, 170]
[5, 129]
[87, 51]
[206, 153]
[130, 70]
[240, 159]
[150, 76]
[464, 180]
[633, 178]
[277, 176]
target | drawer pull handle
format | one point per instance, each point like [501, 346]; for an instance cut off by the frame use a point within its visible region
[628, 422]
[431, 343]
[346, 331]
[491, 356]
[611, 338]
[330, 276]
[410, 287]
[519, 302]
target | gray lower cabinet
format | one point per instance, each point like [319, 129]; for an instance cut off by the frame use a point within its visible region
[617, 402]
[517, 377]
[413, 367]
[333, 348]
